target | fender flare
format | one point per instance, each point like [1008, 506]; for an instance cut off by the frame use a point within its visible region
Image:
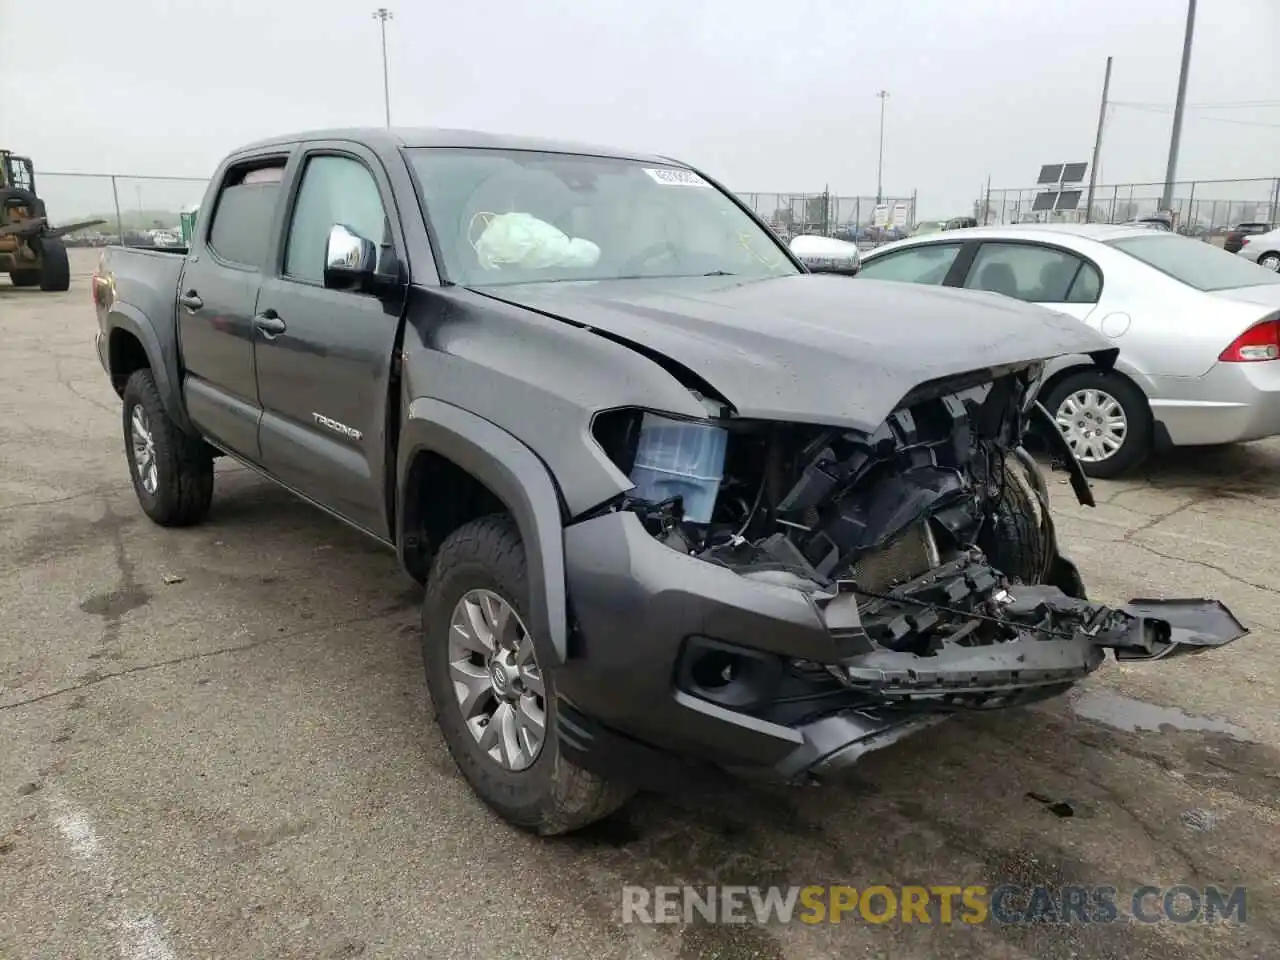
[124, 316]
[520, 480]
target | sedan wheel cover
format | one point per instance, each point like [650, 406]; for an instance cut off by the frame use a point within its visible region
[142, 445]
[496, 679]
[1271, 262]
[1093, 423]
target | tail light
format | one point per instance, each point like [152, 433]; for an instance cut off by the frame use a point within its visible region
[1259, 342]
[1244, 242]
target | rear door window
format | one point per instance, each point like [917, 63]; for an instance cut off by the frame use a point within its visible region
[1037, 274]
[926, 263]
[240, 230]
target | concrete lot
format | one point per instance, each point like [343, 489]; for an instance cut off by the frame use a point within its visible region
[217, 742]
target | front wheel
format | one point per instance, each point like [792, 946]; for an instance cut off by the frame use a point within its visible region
[494, 705]
[55, 267]
[1105, 420]
[172, 471]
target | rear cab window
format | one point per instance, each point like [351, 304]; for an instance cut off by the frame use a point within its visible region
[240, 228]
[1201, 266]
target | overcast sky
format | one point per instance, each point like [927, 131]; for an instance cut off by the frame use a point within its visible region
[765, 96]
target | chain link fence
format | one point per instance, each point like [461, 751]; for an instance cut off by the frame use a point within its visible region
[136, 211]
[863, 220]
[144, 211]
[1203, 208]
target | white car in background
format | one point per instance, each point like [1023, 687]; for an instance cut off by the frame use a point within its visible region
[1198, 329]
[1262, 248]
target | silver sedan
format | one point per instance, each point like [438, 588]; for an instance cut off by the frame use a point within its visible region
[1262, 248]
[1198, 329]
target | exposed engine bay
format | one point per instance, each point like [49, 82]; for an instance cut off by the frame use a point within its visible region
[932, 537]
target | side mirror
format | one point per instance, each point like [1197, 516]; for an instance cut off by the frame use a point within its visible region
[349, 259]
[827, 255]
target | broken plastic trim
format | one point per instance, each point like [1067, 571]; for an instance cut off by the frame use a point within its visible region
[958, 637]
[1058, 444]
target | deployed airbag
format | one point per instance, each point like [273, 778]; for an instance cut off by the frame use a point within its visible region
[522, 240]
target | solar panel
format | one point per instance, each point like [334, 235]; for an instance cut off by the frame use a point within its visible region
[1050, 173]
[1068, 200]
[1044, 201]
[1073, 172]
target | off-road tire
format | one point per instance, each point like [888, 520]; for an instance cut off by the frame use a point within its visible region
[552, 795]
[24, 278]
[55, 267]
[184, 466]
[1137, 411]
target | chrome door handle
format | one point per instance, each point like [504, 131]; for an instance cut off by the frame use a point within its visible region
[270, 324]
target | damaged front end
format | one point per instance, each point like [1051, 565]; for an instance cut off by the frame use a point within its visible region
[925, 549]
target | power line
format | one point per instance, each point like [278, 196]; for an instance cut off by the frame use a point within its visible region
[1220, 105]
[1165, 111]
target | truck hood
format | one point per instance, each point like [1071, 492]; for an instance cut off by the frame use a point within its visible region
[810, 348]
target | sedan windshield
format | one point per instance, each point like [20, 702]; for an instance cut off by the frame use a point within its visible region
[1195, 263]
[515, 216]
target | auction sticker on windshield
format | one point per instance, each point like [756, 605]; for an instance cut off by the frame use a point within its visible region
[672, 177]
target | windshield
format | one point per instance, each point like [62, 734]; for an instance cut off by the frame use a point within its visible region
[514, 216]
[1195, 263]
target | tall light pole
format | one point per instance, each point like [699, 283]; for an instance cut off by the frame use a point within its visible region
[383, 14]
[1166, 201]
[883, 95]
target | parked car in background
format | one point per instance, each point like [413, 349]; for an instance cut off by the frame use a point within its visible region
[1236, 235]
[1198, 329]
[1156, 222]
[928, 226]
[1262, 248]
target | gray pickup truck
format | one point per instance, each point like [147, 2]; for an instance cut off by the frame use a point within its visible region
[681, 507]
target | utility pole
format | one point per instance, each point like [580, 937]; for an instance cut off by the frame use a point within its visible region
[883, 95]
[383, 14]
[1166, 202]
[1097, 143]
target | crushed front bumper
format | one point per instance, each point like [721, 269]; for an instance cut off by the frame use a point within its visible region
[677, 662]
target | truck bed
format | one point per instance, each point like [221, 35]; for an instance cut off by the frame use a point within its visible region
[146, 277]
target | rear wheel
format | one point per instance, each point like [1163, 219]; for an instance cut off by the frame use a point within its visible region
[55, 268]
[24, 278]
[1105, 420]
[494, 705]
[172, 471]
[1271, 261]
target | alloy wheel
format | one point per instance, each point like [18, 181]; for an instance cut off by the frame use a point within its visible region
[496, 679]
[1093, 423]
[143, 447]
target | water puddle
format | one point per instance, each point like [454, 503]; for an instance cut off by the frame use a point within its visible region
[1127, 713]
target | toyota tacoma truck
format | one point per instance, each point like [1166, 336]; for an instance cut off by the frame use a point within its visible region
[680, 505]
